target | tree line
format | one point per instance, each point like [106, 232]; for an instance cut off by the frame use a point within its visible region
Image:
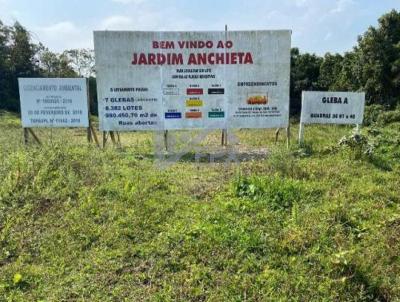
[21, 57]
[373, 66]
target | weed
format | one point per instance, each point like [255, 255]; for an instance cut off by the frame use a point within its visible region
[78, 223]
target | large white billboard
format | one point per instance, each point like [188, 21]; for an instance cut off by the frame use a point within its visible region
[53, 102]
[186, 80]
[332, 107]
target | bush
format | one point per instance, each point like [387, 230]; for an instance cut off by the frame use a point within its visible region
[358, 144]
[380, 115]
[389, 117]
[285, 162]
[371, 114]
[279, 194]
[10, 105]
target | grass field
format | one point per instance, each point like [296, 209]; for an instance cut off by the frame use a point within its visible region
[317, 223]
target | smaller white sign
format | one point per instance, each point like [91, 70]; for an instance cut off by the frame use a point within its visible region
[53, 102]
[332, 107]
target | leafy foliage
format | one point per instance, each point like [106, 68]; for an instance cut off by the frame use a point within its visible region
[379, 60]
[19, 57]
[305, 69]
[372, 113]
[358, 144]
[82, 224]
[277, 193]
[372, 66]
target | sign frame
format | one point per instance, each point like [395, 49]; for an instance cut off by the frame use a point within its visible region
[100, 37]
[33, 82]
[332, 98]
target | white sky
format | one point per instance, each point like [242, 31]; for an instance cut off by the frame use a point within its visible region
[318, 25]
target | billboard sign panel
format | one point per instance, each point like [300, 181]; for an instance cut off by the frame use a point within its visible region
[332, 107]
[192, 80]
[53, 102]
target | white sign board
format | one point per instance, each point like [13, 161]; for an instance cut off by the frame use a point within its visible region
[332, 107]
[186, 80]
[53, 102]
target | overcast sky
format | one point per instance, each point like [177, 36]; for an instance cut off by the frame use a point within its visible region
[318, 25]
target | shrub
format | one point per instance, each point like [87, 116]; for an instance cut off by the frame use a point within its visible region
[10, 105]
[279, 194]
[285, 163]
[379, 115]
[358, 145]
[389, 117]
[371, 114]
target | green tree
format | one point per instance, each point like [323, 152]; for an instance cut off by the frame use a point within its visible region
[22, 53]
[330, 71]
[22, 61]
[305, 70]
[4, 64]
[82, 61]
[378, 54]
[349, 77]
[54, 65]
[19, 57]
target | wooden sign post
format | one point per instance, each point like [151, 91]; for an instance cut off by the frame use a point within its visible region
[287, 135]
[91, 133]
[28, 131]
[114, 136]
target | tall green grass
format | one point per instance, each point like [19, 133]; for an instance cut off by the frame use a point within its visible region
[78, 223]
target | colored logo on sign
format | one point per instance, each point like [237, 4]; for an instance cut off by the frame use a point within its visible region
[194, 91]
[172, 115]
[194, 103]
[216, 91]
[257, 100]
[217, 114]
[193, 114]
[171, 91]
